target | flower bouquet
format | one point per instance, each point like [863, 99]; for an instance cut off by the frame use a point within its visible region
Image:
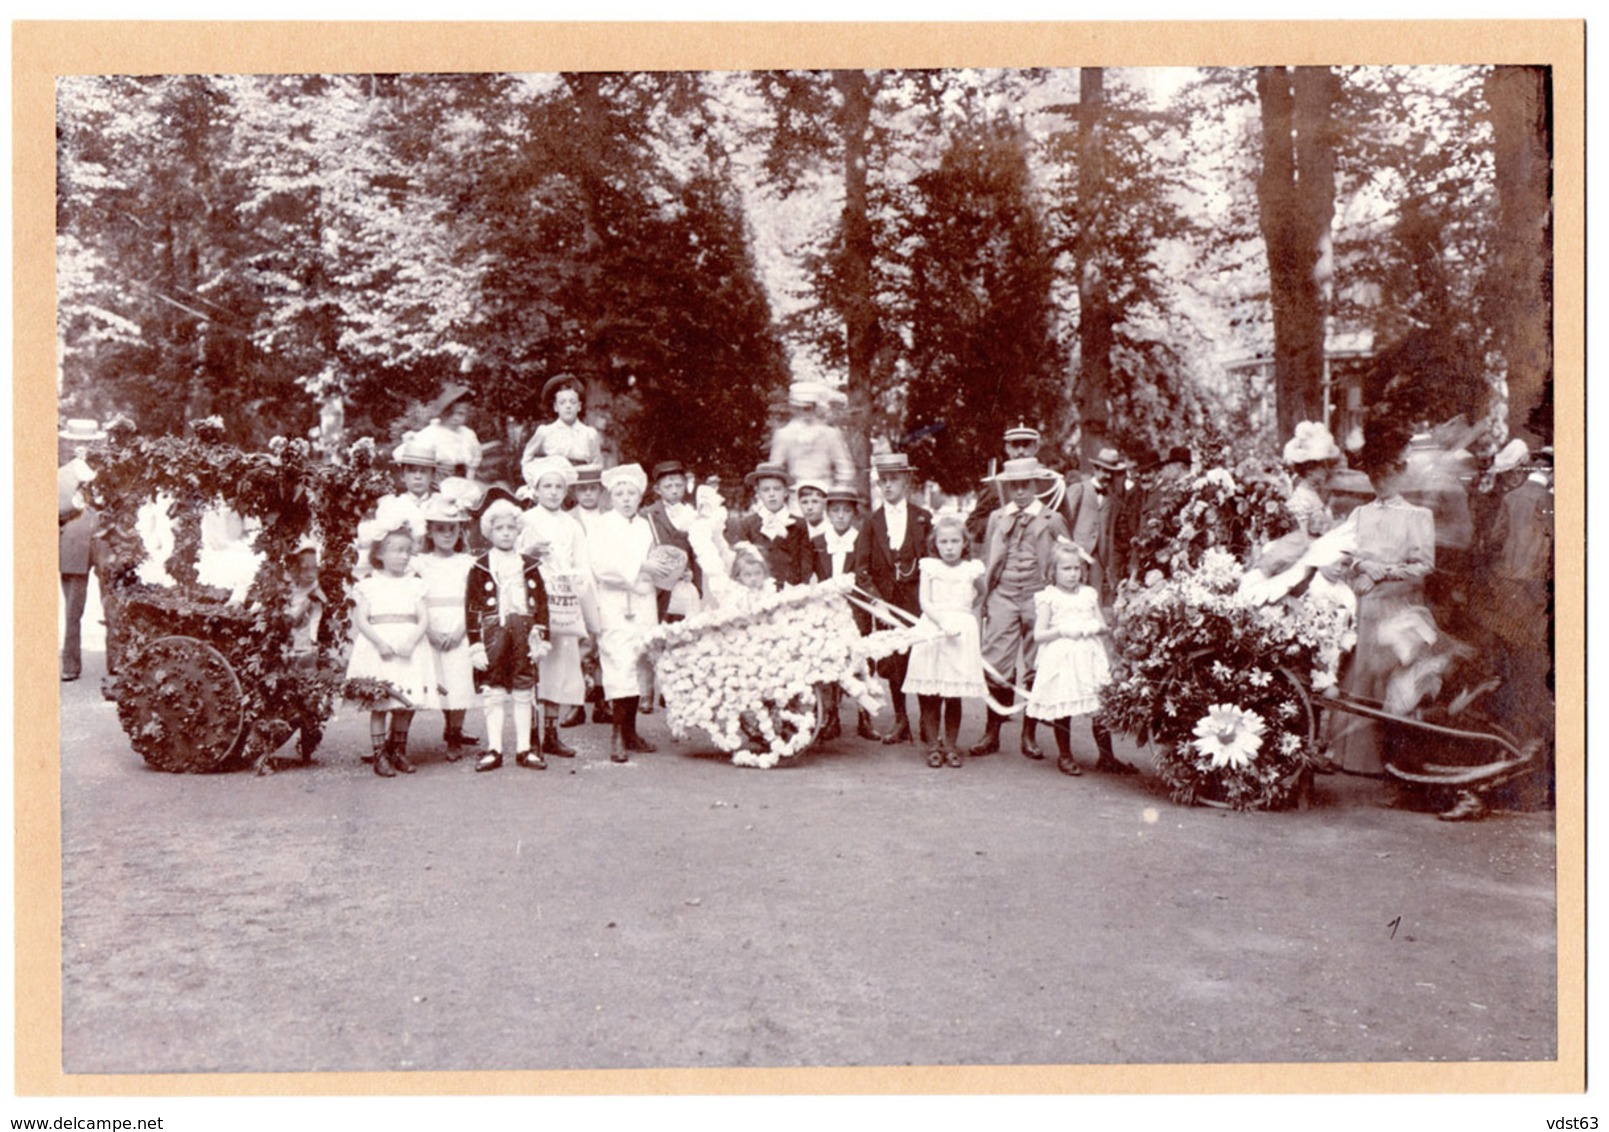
[1217, 681]
[747, 678]
[1231, 508]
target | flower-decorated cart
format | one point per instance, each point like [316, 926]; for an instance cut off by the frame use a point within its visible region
[1229, 689]
[212, 676]
[748, 678]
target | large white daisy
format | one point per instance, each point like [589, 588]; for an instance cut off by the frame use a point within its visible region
[1229, 736]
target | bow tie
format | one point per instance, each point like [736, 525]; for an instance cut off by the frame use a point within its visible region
[774, 524]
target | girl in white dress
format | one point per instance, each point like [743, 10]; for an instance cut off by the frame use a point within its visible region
[389, 618]
[949, 667]
[1073, 664]
[445, 569]
[567, 572]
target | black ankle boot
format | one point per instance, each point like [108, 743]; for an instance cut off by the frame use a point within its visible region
[990, 743]
[633, 741]
[552, 744]
[397, 754]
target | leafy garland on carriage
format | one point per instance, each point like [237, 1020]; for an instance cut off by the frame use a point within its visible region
[205, 683]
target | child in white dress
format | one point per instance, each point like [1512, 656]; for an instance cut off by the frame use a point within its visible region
[445, 569]
[947, 668]
[553, 533]
[1073, 663]
[389, 618]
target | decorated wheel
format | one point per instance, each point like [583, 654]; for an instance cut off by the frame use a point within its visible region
[804, 713]
[181, 705]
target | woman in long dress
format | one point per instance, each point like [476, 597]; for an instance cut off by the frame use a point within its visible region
[1395, 550]
[628, 604]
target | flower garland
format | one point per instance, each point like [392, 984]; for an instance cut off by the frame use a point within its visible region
[293, 493]
[1216, 681]
[1234, 509]
[747, 678]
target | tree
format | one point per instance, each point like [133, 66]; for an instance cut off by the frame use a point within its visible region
[1120, 232]
[1296, 198]
[1520, 102]
[982, 352]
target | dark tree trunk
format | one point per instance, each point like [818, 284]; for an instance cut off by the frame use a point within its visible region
[1523, 310]
[1296, 205]
[855, 263]
[1095, 315]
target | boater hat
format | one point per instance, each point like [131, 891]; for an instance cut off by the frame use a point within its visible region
[1110, 459]
[589, 474]
[82, 429]
[1017, 471]
[887, 463]
[767, 472]
[414, 451]
[562, 381]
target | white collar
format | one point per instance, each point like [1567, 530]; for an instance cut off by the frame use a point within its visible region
[1032, 509]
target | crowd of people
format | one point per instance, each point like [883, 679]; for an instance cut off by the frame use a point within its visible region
[532, 603]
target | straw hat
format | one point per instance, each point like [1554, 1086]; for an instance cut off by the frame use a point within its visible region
[1110, 459]
[83, 430]
[414, 451]
[767, 472]
[844, 495]
[440, 509]
[887, 463]
[1020, 470]
[803, 394]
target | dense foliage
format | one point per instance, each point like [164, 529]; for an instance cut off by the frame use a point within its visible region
[961, 246]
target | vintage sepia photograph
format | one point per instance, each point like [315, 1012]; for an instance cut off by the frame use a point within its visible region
[911, 566]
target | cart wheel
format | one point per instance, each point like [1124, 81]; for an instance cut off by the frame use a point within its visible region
[181, 705]
[804, 703]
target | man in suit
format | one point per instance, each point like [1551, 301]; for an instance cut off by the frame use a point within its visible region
[1019, 549]
[1093, 507]
[896, 538]
[76, 547]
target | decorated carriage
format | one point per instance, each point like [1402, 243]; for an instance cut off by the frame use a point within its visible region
[217, 662]
[750, 678]
[1231, 692]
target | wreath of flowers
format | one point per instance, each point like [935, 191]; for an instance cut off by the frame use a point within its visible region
[1231, 509]
[294, 493]
[753, 673]
[1217, 683]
